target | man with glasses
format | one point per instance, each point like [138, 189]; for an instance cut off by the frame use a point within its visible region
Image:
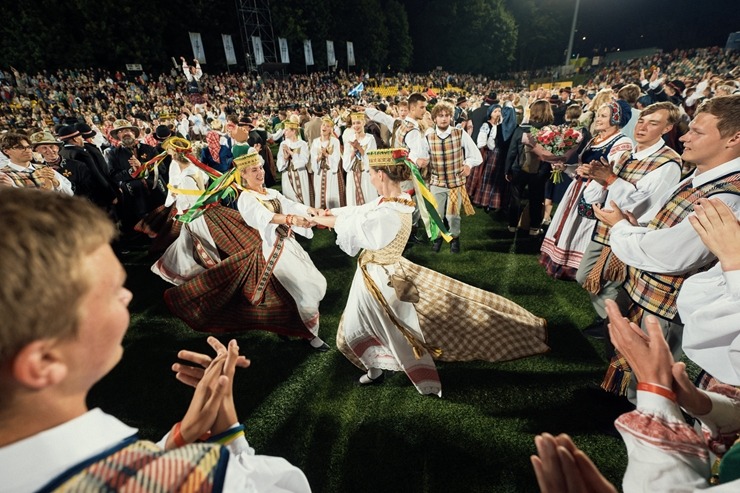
[21, 171]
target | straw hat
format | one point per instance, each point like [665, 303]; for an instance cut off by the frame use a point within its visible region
[119, 125]
[45, 137]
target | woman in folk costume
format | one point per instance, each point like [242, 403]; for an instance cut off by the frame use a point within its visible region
[325, 159]
[487, 186]
[244, 279]
[572, 226]
[387, 328]
[357, 144]
[292, 159]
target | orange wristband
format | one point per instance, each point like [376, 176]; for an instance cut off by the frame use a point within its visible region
[657, 389]
[177, 435]
[610, 180]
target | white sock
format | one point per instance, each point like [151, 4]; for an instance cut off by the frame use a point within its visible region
[316, 342]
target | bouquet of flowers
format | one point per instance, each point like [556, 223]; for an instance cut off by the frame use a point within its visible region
[554, 143]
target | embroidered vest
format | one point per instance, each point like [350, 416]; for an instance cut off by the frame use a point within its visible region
[657, 293]
[142, 466]
[392, 252]
[633, 171]
[446, 159]
[22, 179]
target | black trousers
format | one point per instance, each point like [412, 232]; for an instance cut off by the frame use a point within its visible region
[531, 186]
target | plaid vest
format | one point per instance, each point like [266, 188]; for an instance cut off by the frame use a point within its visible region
[403, 130]
[657, 293]
[22, 179]
[633, 171]
[446, 159]
[142, 466]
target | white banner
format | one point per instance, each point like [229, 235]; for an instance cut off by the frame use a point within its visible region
[229, 49]
[350, 54]
[259, 56]
[284, 55]
[134, 66]
[197, 44]
[308, 51]
[331, 58]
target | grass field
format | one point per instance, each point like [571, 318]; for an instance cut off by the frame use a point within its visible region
[306, 406]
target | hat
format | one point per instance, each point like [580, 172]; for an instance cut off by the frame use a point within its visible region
[357, 116]
[380, 158]
[621, 112]
[327, 119]
[45, 137]
[461, 100]
[119, 125]
[162, 132]
[85, 130]
[292, 122]
[677, 85]
[245, 121]
[216, 124]
[251, 158]
[554, 98]
[565, 89]
[67, 132]
[492, 98]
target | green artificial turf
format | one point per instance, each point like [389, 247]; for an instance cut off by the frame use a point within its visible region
[306, 406]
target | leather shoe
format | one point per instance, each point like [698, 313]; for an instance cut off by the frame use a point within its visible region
[455, 245]
[437, 244]
[366, 380]
[597, 330]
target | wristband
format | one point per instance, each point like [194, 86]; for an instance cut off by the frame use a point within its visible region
[177, 435]
[657, 389]
[610, 180]
[289, 219]
[229, 435]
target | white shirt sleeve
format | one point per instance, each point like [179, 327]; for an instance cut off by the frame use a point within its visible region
[380, 117]
[472, 154]
[365, 227]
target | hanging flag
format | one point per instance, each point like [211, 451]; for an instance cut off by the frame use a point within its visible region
[357, 90]
[197, 44]
[229, 49]
[350, 54]
[259, 55]
[331, 58]
[308, 51]
[284, 55]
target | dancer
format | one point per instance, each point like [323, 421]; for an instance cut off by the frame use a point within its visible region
[291, 162]
[224, 266]
[325, 157]
[388, 328]
[357, 144]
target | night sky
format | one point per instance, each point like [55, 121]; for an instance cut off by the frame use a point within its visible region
[667, 24]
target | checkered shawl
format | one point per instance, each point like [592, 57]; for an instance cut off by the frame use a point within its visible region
[217, 301]
[446, 159]
[468, 323]
[142, 467]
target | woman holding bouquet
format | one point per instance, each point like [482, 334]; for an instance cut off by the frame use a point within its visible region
[400, 316]
[526, 170]
[572, 226]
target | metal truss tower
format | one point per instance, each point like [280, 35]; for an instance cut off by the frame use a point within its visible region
[255, 20]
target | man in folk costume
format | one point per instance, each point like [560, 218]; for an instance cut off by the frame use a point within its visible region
[76, 172]
[635, 184]
[20, 171]
[452, 154]
[410, 137]
[662, 254]
[326, 159]
[291, 162]
[62, 330]
[140, 195]
[357, 144]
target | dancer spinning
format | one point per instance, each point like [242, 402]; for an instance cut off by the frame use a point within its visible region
[380, 331]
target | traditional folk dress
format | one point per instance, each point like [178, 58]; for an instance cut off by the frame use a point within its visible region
[295, 182]
[487, 185]
[326, 172]
[359, 188]
[107, 455]
[286, 260]
[569, 232]
[378, 330]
